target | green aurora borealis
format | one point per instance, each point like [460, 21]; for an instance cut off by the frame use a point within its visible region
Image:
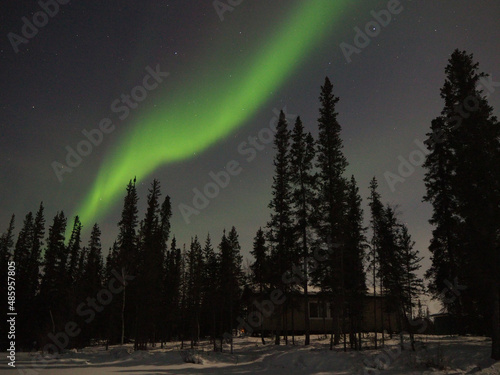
[200, 115]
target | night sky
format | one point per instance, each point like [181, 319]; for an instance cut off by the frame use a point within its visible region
[226, 80]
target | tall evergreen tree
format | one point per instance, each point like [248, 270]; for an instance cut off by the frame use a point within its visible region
[355, 245]
[399, 263]
[303, 199]
[448, 235]
[114, 313]
[56, 256]
[230, 280]
[331, 164]
[151, 272]
[93, 275]
[163, 238]
[377, 222]
[279, 227]
[33, 276]
[54, 287]
[413, 285]
[22, 254]
[463, 184]
[76, 290]
[24, 298]
[195, 269]
[183, 295]
[127, 258]
[211, 290]
[173, 280]
[260, 267]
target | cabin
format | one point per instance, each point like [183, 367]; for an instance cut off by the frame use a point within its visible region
[277, 312]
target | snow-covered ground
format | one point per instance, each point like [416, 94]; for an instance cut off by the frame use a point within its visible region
[435, 355]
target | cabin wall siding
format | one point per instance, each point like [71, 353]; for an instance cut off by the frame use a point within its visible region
[320, 325]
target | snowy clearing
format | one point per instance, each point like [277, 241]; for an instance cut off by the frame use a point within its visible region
[435, 355]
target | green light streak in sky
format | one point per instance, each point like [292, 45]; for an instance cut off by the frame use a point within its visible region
[209, 111]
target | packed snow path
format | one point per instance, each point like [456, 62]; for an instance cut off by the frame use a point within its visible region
[435, 355]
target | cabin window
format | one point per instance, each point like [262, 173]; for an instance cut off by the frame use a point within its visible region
[317, 310]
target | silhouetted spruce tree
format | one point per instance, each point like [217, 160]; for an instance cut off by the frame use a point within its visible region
[54, 286]
[413, 285]
[26, 280]
[355, 277]
[183, 296]
[330, 208]
[390, 267]
[377, 222]
[279, 227]
[112, 316]
[260, 268]
[24, 296]
[446, 247]
[6, 252]
[210, 291]
[93, 283]
[237, 274]
[472, 134]
[127, 259]
[230, 280]
[76, 294]
[195, 268]
[22, 255]
[34, 272]
[151, 272]
[302, 180]
[163, 238]
[173, 279]
[80, 300]
[398, 264]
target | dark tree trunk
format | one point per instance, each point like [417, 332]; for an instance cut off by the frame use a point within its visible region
[495, 329]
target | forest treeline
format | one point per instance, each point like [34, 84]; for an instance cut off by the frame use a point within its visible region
[150, 290]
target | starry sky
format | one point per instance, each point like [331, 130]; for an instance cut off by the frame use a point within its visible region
[217, 78]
